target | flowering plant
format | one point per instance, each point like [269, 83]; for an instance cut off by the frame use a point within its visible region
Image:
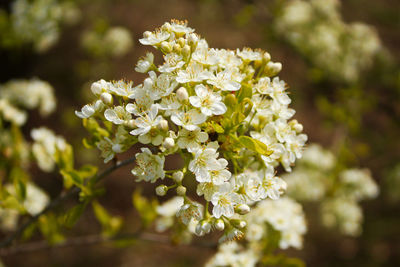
[225, 113]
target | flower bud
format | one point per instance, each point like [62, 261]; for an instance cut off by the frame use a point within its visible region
[205, 226]
[181, 190]
[193, 39]
[106, 98]
[169, 143]
[163, 125]
[240, 224]
[186, 51]
[230, 100]
[161, 190]
[296, 126]
[273, 68]
[167, 27]
[177, 48]
[182, 94]
[96, 88]
[266, 57]
[177, 176]
[219, 225]
[181, 42]
[198, 231]
[242, 209]
[147, 34]
[166, 47]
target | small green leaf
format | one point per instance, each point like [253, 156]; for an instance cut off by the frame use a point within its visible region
[145, 208]
[72, 216]
[254, 145]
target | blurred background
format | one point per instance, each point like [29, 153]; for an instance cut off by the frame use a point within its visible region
[340, 60]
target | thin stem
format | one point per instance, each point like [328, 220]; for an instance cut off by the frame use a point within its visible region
[63, 196]
[96, 239]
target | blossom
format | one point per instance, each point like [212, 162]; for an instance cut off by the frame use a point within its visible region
[209, 102]
[224, 201]
[117, 115]
[193, 73]
[191, 139]
[149, 167]
[147, 121]
[188, 120]
[204, 161]
[145, 63]
[223, 81]
[154, 38]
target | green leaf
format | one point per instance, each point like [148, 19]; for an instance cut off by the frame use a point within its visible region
[111, 225]
[72, 216]
[254, 145]
[50, 227]
[145, 208]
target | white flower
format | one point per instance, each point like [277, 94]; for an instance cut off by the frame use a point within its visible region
[193, 73]
[117, 115]
[147, 121]
[188, 120]
[247, 54]
[223, 80]
[155, 38]
[144, 64]
[208, 101]
[149, 167]
[11, 113]
[224, 201]
[122, 88]
[86, 111]
[160, 86]
[204, 161]
[172, 62]
[191, 139]
[190, 211]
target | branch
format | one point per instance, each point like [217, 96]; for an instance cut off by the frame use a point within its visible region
[95, 239]
[74, 191]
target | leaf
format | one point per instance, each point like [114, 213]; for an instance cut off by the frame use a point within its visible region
[110, 224]
[72, 216]
[145, 208]
[50, 228]
[254, 145]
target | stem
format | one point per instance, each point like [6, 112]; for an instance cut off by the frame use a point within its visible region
[63, 196]
[93, 240]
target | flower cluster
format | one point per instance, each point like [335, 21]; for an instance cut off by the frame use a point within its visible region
[115, 41]
[44, 148]
[28, 94]
[283, 218]
[317, 178]
[316, 29]
[224, 113]
[38, 22]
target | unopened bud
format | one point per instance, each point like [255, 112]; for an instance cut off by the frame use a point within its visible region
[242, 209]
[238, 224]
[147, 34]
[296, 126]
[230, 100]
[181, 190]
[186, 51]
[161, 190]
[106, 98]
[96, 88]
[169, 143]
[181, 41]
[273, 68]
[198, 231]
[166, 47]
[267, 57]
[163, 125]
[219, 225]
[177, 48]
[182, 94]
[193, 39]
[166, 27]
[177, 176]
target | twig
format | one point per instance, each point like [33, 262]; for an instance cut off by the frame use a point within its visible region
[74, 191]
[95, 239]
